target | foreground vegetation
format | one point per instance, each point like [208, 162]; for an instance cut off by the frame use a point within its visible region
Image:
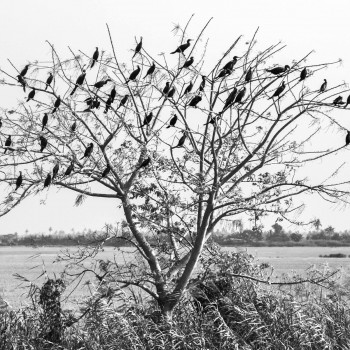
[231, 305]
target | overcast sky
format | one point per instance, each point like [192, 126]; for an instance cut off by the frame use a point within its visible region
[322, 26]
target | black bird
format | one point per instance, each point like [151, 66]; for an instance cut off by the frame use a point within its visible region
[279, 90]
[101, 83]
[19, 181]
[95, 57]
[144, 163]
[88, 101]
[338, 101]
[138, 48]
[96, 103]
[173, 121]
[195, 101]
[69, 169]
[224, 73]
[22, 82]
[249, 74]
[278, 70]
[188, 63]
[165, 90]
[8, 143]
[150, 70]
[113, 94]
[303, 74]
[240, 95]
[24, 70]
[202, 84]
[31, 95]
[55, 170]
[323, 86]
[106, 171]
[188, 88]
[44, 121]
[88, 151]
[230, 99]
[0, 123]
[347, 101]
[57, 104]
[171, 92]
[229, 65]
[347, 138]
[79, 81]
[49, 80]
[43, 143]
[134, 74]
[147, 120]
[73, 126]
[47, 181]
[183, 47]
[181, 141]
[108, 104]
[123, 101]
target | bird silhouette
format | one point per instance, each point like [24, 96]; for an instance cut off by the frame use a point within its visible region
[123, 101]
[223, 73]
[106, 171]
[49, 81]
[134, 74]
[21, 80]
[144, 163]
[44, 121]
[173, 121]
[79, 82]
[31, 95]
[188, 88]
[69, 169]
[171, 93]
[195, 101]
[278, 70]
[183, 47]
[95, 57]
[138, 48]
[249, 75]
[0, 123]
[56, 104]
[347, 101]
[24, 70]
[347, 138]
[240, 95]
[229, 65]
[113, 94]
[73, 126]
[43, 142]
[101, 83]
[55, 170]
[230, 99]
[47, 181]
[108, 104]
[147, 120]
[188, 63]
[338, 101]
[303, 74]
[88, 151]
[181, 141]
[150, 70]
[165, 90]
[279, 90]
[8, 143]
[19, 181]
[202, 84]
[323, 86]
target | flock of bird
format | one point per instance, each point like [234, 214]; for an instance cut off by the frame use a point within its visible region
[235, 96]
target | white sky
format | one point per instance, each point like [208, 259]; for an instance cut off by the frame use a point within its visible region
[81, 24]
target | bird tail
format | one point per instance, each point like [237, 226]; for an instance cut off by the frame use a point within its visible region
[46, 87]
[5, 150]
[92, 64]
[73, 91]
[28, 99]
[42, 129]
[54, 110]
[171, 53]
[168, 126]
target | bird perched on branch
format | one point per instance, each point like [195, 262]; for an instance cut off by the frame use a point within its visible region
[230, 64]
[31, 95]
[8, 143]
[279, 90]
[123, 101]
[240, 95]
[347, 138]
[182, 140]
[323, 86]
[79, 82]
[338, 101]
[147, 120]
[113, 94]
[202, 84]
[150, 70]
[21, 80]
[171, 93]
[134, 74]
[249, 75]
[49, 80]
[172, 122]
[56, 104]
[230, 99]
[188, 63]
[138, 48]
[44, 121]
[69, 169]
[19, 181]
[95, 57]
[73, 127]
[88, 151]
[165, 90]
[278, 70]
[188, 89]
[55, 171]
[223, 73]
[195, 101]
[47, 181]
[43, 143]
[183, 47]
[347, 101]
[303, 74]
[106, 171]
[24, 70]
[101, 83]
[144, 163]
[108, 104]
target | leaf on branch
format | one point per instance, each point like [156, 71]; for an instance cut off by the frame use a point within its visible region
[176, 28]
[79, 200]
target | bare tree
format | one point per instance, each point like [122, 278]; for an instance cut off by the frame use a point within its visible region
[179, 146]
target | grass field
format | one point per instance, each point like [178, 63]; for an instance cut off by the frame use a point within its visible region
[31, 262]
